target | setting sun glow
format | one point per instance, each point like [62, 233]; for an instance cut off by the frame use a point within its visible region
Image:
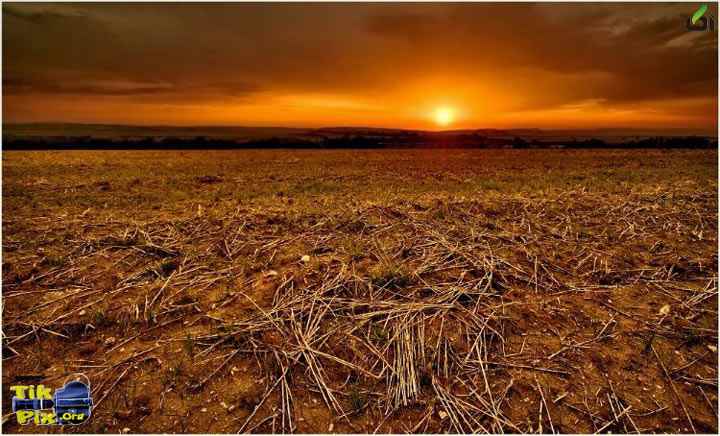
[374, 64]
[444, 116]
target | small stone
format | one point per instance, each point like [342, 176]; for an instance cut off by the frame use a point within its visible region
[442, 414]
[126, 430]
[122, 414]
[665, 309]
[203, 410]
[305, 259]
[331, 426]
[712, 348]
[82, 312]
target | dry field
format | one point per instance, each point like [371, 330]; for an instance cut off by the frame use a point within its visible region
[367, 291]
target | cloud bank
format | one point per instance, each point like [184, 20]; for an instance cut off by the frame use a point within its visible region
[504, 65]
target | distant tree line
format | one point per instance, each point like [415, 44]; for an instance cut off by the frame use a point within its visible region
[401, 140]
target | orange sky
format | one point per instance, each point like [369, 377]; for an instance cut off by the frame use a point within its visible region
[511, 65]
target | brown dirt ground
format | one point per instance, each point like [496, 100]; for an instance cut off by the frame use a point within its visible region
[375, 291]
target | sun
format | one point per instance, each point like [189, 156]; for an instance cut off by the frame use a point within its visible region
[444, 116]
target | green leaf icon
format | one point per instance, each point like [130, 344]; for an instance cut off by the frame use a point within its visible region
[699, 13]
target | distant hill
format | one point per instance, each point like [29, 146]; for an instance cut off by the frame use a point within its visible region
[67, 136]
[118, 131]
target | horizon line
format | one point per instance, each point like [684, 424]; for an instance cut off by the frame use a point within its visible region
[196, 126]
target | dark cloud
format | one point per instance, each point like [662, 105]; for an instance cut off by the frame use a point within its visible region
[91, 87]
[45, 86]
[536, 55]
[36, 17]
[634, 55]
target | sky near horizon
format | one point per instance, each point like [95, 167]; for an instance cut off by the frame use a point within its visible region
[425, 66]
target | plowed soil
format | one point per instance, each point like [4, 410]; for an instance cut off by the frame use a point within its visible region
[366, 291]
